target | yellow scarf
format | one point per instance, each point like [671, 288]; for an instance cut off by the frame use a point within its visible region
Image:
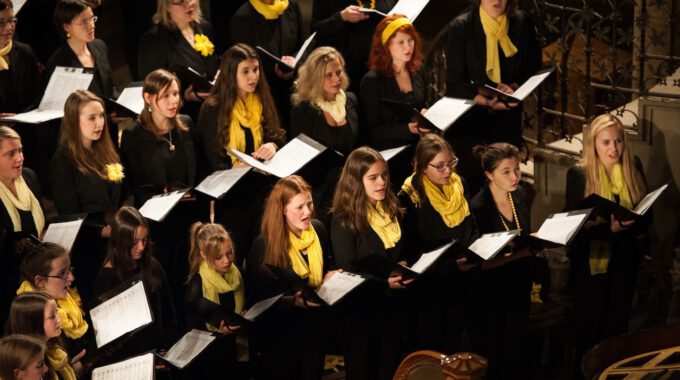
[72, 322]
[270, 12]
[387, 229]
[4, 63]
[25, 201]
[336, 107]
[248, 115]
[59, 362]
[308, 241]
[450, 204]
[496, 32]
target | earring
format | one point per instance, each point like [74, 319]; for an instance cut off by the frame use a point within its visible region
[68, 35]
[148, 108]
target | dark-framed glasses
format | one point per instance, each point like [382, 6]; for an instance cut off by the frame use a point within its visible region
[63, 276]
[451, 164]
[8, 21]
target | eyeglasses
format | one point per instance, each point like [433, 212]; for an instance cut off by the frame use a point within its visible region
[451, 164]
[8, 21]
[62, 276]
[86, 22]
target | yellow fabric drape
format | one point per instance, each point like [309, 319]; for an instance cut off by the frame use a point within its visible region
[246, 115]
[387, 229]
[73, 324]
[270, 12]
[4, 63]
[451, 204]
[25, 201]
[309, 242]
[496, 32]
[336, 107]
[58, 359]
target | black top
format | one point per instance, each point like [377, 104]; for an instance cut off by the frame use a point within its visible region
[489, 218]
[102, 82]
[149, 161]
[75, 192]
[164, 48]
[27, 223]
[388, 127]
[20, 85]
[310, 120]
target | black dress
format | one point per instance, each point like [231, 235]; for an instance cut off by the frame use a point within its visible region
[353, 40]
[603, 301]
[500, 300]
[294, 349]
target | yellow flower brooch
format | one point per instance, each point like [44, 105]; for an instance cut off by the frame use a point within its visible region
[203, 45]
[114, 172]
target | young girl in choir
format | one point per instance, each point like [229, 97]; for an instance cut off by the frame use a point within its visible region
[36, 314]
[130, 253]
[437, 212]
[500, 292]
[291, 239]
[22, 357]
[213, 275]
[367, 220]
[606, 253]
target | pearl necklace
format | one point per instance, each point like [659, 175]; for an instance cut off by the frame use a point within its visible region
[171, 146]
[514, 214]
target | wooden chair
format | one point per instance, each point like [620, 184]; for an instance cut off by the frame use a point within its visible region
[432, 365]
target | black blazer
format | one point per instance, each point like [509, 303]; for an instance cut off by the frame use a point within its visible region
[5, 221]
[20, 85]
[75, 192]
[102, 84]
[387, 127]
[142, 158]
[487, 214]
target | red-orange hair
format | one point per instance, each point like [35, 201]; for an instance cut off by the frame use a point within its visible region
[380, 58]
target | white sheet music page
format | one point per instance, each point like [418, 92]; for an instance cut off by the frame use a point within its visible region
[160, 205]
[187, 348]
[648, 200]
[530, 85]
[304, 47]
[446, 111]
[63, 234]
[489, 244]
[338, 286]
[289, 159]
[369, 10]
[132, 99]
[261, 307]
[137, 368]
[409, 8]
[427, 259]
[121, 314]
[560, 227]
[17, 5]
[221, 181]
[389, 153]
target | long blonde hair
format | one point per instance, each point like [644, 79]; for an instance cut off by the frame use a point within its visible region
[206, 238]
[309, 84]
[162, 15]
[590, 160]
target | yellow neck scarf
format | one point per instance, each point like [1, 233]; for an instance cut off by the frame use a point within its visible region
[309, 242]
[4, 63]
[336, 107]
[614, 185]
[496, 32]
[72, 322]
[270, 12]
[59, 362]
[387, 229]
[25, 201]
[248, 115]
[450, 204]
[214, 283]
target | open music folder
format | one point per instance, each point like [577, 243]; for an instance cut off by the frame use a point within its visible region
[188, 348]
[288, 160]
[136, 368]
[130, 102]
[122, 311]
[557, 230]
[188, 76]
[392, 152]
[298, 57]
[522, 92]
[604, 206]
[220, 182]
[338, 286]
[488, 245]
[64, 233]
[63, 82]
[409, 8]
[159, 206]
[216, 313]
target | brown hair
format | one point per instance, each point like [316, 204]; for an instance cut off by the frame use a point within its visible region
[37, 258]
[428, 147]
[66, 11]
[491, 155]
[103, 151]
[206, 238]
[162, 15]
[350, 202]
[6, 4]
[274, 229]
[309, 84]
[18, 351]
[380, 58]
[156, 82]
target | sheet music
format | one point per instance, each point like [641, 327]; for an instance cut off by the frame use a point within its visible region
[304, 47]
[132, 99]
[17, 5]
[428, 258]
[289, 159]
[389, 153]
[338, 286]
[36, 116]
[446, 111]
[160, 205]
[530, 85]
[648, 200]
[409, 8]
[121, 314]
[221, 181]
[560, 227]
[63, 234]
[489, 244]
[188, 347]
[369, 10]
[137, 368]
[260, 307]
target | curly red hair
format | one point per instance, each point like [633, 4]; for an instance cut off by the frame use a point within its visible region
[380, 58]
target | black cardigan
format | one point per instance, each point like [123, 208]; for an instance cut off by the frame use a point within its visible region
[488, 217]
[102, 83]
[20, 85]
